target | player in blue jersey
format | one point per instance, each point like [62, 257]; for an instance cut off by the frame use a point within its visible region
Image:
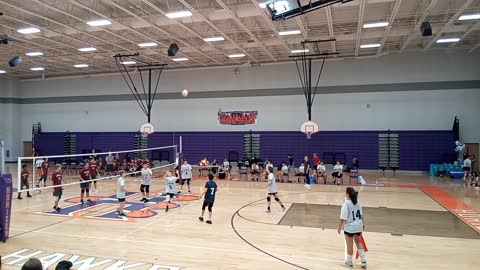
[209, 191]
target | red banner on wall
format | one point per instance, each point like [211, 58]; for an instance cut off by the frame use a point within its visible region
[237, 118]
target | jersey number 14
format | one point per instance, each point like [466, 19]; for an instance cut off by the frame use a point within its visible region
[358, 215]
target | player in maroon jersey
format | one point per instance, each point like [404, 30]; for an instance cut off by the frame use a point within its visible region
[93, 172]
[84, 182]
[57, 191]
[45, 167]
[24, 181]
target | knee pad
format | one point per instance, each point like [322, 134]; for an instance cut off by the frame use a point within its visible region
[268, 199]
[277, 199]
[142, 189]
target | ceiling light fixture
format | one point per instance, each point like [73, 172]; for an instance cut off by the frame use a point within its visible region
[179, 14]
[238, 55]
[29, 30]
[368, 46]
[375, 24]
[128, 62]
[212, 39]
[88, 49]
[101, 22]
[300, 51]
[80, 65]
[147, 44]
[180, 59]
[2, 71]
[34, 54]
[448, 40]
[289, 32]
[466, 17]
[37, 69]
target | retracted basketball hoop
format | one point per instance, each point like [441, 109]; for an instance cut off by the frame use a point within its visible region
[309, 128]
[146, 129]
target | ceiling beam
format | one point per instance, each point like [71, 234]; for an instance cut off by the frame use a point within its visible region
[447, 25]
[328, 10]
[390, 24]
[467, 33]
[474, 47]
[162, 31]
[203, 18]
[361, 11]
[301, 26]
[245, 29]
[147, 38]
[419, 23]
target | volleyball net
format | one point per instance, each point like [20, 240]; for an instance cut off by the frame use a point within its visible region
[101, 166]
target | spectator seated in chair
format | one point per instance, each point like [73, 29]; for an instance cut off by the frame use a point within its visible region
[222, 172]
[214, 166]
[203, 163]
[337, 173]
[255, 171]
[283, 172]
[322, 172]
[300, 172]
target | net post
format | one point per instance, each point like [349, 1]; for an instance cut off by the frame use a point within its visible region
[181, 144]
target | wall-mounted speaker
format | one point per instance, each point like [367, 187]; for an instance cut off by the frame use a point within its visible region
[173, 49]
[15, 61]
[426, 29]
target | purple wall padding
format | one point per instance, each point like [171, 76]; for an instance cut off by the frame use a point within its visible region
[417, 148]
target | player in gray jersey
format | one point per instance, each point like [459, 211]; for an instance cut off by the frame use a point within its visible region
[146, 180]
[272, 189]
[170, 188]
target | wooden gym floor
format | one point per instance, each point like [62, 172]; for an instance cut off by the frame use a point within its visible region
[243, 236]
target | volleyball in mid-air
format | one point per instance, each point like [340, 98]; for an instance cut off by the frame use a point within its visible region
[185, 92]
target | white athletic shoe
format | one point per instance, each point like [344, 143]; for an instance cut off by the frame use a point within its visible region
[307, 186]
[349, 264]
[364, 265]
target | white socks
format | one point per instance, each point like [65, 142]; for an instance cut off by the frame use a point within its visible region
[362, 255]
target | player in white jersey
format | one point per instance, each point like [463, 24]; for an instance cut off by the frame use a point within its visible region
[146, 180]
[170, 188]
[186, 175]
[38, 164]
[351, 220]
[121, 192]
[272, 189]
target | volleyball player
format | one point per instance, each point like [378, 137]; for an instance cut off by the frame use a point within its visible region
[38, 164]
[170, 188]
[121, 192]
[209, 191]
[351, 220]
[93, 172]
[146, 181]
[57, 180]
[45, 167]
[272, 189]
[24, 182]
[84, 182]
[186, 175]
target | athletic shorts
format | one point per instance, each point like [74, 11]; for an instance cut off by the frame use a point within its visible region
[185, 180]
[121, 199]
[94, 177]
[84, 185]
[467, 169]
[171, 195]
[109, 167]
[57, 193]
[352, 234]
[207, 204]
[272, 194]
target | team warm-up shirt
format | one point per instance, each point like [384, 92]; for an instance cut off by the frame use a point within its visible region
[93, 169]
[171, 187]
[45, 167]
[338, 168]
[146, 176]
[120, 184]
[57, 180]
[85, 174]
[272, 188]
[211, 189]
[39, 163]
[24, 175]
[353, 216]
[321, 168]
[186, 171]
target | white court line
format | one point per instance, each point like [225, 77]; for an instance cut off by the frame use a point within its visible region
[179, 245]
[160, 219]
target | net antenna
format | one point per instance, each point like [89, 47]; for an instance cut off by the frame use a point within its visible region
[149, 78]
[310, 51]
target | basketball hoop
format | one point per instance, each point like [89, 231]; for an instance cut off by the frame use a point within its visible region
[146, 129]
[309, 128]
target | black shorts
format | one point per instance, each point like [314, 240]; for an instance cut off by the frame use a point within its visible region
[352, 234]
[121, 199]
[94, 177]
[207, 204]
[337, 174]
[272, 194]
[171, 195]
[467, 169]
[57, 193]
[185, 180]
[84, 185]
[109, 167]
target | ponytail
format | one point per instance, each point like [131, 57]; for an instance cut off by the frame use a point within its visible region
[352, 194]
